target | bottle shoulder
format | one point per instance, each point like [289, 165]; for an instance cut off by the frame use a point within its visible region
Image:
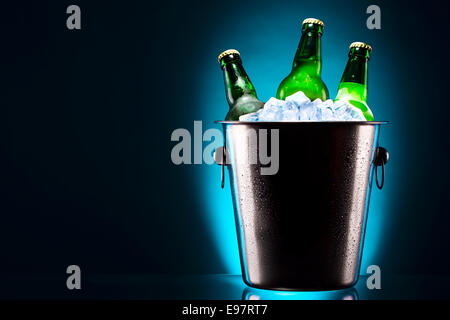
[247, 98]
[352, 91]
[244, 105]
[312, 86]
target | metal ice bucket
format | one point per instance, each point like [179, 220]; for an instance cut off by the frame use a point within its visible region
[303, 227]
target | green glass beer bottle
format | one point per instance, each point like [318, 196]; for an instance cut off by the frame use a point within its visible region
[307, 67]
[241, 94]
[353, 86]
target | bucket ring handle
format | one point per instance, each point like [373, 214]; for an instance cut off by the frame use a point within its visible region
[381, 158]
[379, 185]
[221, 159]
[222, 183]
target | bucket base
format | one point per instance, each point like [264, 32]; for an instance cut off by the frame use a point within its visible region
[330, 287]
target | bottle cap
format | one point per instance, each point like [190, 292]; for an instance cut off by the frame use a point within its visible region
[313, 21]
[227, 53]
[361, 45]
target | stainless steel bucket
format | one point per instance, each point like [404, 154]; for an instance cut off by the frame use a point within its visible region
[302, 228]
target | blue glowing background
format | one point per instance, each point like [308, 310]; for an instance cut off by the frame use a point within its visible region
[267, 36]
[86, 173]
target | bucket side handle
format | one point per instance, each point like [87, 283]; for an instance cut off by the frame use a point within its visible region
[380, 159]
[220, 157]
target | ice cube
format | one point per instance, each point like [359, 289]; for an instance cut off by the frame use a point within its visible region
[298, 107]
[343, 110]
[327, 103]
[356, 114]
[315, 113]
[270, 116]
[273, 105]
[327, 112]
[305, 111]
[249, 117]
[290, 115]
[298, 98]
[308, 110]
[289, 112]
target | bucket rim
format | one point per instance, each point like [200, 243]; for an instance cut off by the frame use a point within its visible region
[301, 122]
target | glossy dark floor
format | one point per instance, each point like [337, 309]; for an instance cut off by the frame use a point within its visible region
[212, 287]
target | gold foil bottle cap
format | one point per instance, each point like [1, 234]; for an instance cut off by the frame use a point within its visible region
[361, 45]
[226, 53]
[313, 21]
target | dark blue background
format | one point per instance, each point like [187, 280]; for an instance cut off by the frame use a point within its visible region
[86, 117]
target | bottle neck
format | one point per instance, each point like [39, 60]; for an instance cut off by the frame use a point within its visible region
[355, 75]
[356, 70]
[237, 82]
[309, 50]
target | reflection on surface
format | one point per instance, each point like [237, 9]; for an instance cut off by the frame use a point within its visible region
[260, 294]
[213, 287]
